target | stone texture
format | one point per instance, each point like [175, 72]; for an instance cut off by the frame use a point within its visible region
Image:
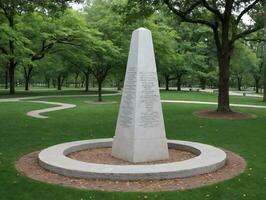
[28, 166]
[140, 133]
[55, 159]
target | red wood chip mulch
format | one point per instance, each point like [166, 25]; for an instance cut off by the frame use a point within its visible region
[28, 166]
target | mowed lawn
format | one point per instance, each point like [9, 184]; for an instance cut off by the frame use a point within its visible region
[20, 134]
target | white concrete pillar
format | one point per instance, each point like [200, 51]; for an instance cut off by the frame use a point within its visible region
[140, 133]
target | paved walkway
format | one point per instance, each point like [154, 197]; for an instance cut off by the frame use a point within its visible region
[59, 106]
[212, 103]
[231, 93]
[62, 106]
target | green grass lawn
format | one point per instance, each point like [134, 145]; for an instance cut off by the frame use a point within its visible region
[20, 134]
[52, 91]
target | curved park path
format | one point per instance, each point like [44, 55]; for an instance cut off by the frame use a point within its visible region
[59, 106]
[62, 106]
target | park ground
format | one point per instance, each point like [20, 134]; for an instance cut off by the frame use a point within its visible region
[21, 134]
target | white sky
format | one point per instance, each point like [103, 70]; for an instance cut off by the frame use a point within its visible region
[76, 6]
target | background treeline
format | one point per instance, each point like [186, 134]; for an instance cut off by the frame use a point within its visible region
[54, 46]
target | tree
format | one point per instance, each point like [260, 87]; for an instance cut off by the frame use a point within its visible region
[243, 61]
[227, 28]
[104, 59]
[165, 46]
[106, 52]
[13, 42]
[257, 72]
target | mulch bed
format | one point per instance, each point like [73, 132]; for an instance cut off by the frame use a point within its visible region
[28, 166]
[103, 156]
[224, 115]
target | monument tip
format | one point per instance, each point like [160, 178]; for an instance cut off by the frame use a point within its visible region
[142, 29]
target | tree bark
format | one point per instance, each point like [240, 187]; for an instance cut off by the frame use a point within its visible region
[166, 82]
[239, 83]
[203, 83]
[12, 62]
[87, 75]
[47, 81]
[59, 86]
[6, 78]
[76, 79]
[54, 82]
[224, 52]
[223, 84]
[264, 92]
[27, 76]
[100, 91]
[257, 85]
[178, 83]
[12, 77]
[27, 84]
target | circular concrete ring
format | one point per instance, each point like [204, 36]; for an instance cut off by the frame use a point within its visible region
[55, 159]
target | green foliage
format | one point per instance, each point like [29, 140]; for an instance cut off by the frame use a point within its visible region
[55, 40]
[244, 60]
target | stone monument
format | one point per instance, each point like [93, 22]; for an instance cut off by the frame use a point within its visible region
[140, 133]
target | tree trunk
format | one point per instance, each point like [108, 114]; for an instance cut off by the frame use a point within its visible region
[12, 62]
[87, 82]
[257, 82]
[27, 76]
[54, 82]
[48, 83]
[264, 92]
[118, 85]
[59, 86]
[166, 82]
[203, 83]
[6, 78]
[12, 77]
[100, 91]
[178, 83]
[239, 83]
[27, 84]
[93, 83]
[223, 85]
[264, 55]
[76, 80]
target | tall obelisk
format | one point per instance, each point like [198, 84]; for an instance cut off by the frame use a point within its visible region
[140, 133]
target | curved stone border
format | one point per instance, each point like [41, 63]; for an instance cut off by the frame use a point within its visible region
[28, 166]
[60, 106]
[54, 159]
